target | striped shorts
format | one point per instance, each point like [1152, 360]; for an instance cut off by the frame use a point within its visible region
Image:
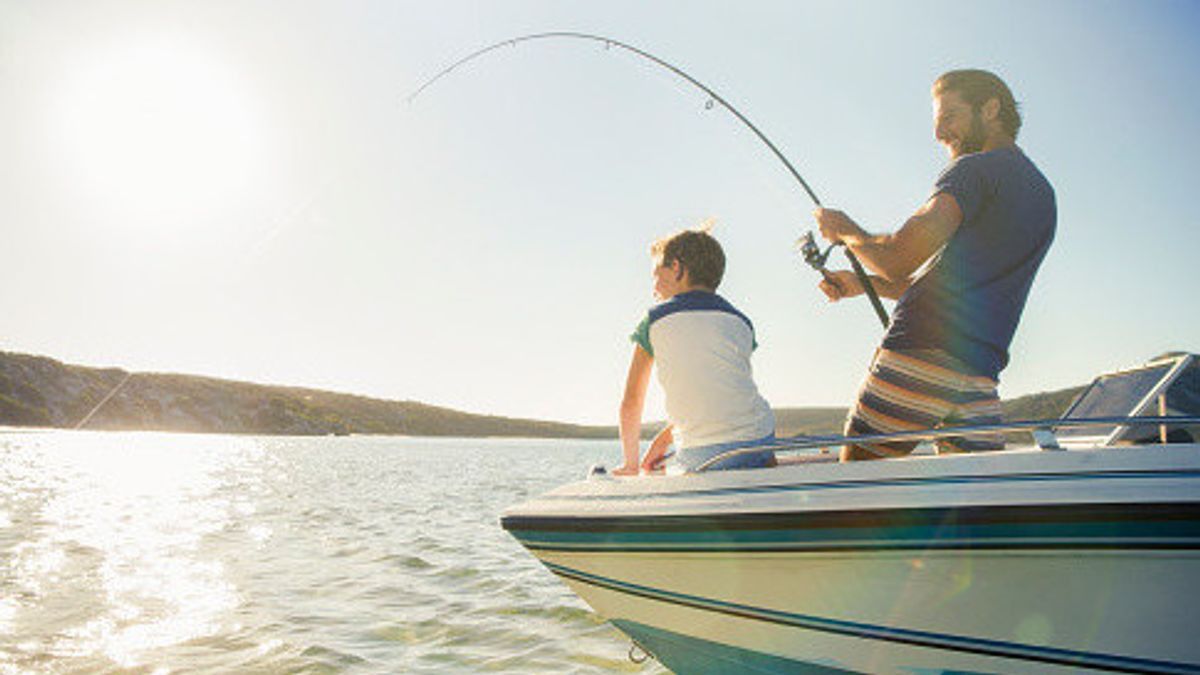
[922, 389]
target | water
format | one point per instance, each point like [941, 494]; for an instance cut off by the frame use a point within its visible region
[159, 553]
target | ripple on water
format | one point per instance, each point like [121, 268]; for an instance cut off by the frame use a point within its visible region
[563, 615]
[405, 562]
[456, 573]
[319, 655]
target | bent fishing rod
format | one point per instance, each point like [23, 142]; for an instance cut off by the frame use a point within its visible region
[811, 253]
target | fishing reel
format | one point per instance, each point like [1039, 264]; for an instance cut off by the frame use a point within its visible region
[815, 257]
[812, 253]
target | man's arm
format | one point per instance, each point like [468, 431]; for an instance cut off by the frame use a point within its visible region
[842, 284]
[896, 256]
[634, 400]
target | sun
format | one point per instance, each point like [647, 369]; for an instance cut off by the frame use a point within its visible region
[157, 130]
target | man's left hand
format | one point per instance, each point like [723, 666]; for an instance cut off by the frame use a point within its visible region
[840, 284]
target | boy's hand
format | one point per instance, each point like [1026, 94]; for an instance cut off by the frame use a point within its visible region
[626, 470]
[656, 454]
[652, 464]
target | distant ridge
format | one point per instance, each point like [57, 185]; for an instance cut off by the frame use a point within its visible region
[824, 421]
[37, 391]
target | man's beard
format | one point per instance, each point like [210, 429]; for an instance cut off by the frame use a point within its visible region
[975, 138]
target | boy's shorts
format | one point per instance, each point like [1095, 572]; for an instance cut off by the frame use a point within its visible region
[922, 389]
[686, 460]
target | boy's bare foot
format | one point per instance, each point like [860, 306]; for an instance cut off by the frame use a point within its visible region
[626, 470]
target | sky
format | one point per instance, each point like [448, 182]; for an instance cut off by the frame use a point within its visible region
[243, 190]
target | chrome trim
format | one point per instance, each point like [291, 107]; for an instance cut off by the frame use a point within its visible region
[1045, 439]
[1043, 431]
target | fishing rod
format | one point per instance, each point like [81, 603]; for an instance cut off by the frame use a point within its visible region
[608, 43]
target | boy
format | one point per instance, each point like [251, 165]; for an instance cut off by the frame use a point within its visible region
[701, 345]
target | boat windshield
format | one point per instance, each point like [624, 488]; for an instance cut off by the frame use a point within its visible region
[1135, 392]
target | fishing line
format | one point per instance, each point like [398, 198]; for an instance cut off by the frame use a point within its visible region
[113, 392]
[713, 98]
[241, 261]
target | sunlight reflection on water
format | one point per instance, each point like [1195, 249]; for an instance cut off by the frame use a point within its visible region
[160, 553]
[118, 520]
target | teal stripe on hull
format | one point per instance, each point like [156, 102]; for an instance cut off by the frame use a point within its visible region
[1146, 527]
[693, 656]
[923, 538]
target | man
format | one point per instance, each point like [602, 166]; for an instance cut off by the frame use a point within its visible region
[961, 268]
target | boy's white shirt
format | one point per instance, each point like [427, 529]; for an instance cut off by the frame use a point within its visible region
[702, 361]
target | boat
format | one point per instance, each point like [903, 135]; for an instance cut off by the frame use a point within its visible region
[1076, 552]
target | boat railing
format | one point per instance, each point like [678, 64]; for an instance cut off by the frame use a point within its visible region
[1041, 430]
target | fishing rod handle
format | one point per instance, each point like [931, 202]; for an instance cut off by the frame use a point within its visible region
[868, 287]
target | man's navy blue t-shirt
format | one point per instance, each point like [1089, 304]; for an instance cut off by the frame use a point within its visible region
[968, 301]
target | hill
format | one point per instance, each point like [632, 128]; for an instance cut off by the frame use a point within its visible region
[42, 392]
[824, 421]
[1046, 405]
[39, 391]
[809, 421]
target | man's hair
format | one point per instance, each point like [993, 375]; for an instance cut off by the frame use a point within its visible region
[977, 87]
[698, 252]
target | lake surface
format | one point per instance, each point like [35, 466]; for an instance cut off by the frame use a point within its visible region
[162, 553]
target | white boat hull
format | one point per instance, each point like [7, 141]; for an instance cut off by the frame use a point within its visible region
[1022, 561]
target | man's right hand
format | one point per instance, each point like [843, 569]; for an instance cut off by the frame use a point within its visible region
[840, 284]
[837, 227]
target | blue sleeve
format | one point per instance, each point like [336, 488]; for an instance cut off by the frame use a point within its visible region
[964, 181]
[641, 336]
